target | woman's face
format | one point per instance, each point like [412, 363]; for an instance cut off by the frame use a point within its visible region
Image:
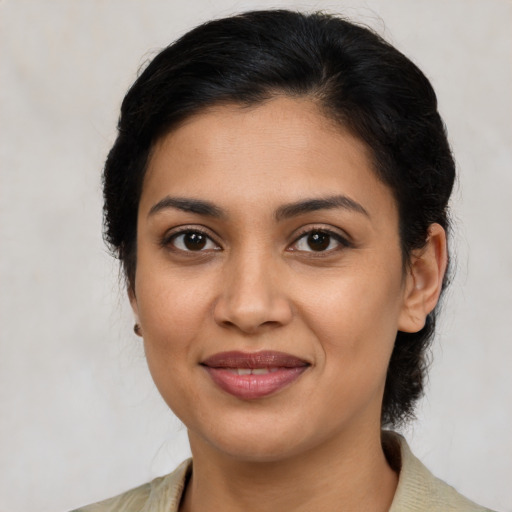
[269, 284]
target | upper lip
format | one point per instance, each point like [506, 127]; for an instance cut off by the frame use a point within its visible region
[263, 359]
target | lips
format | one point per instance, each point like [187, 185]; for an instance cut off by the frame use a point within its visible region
[249, 376]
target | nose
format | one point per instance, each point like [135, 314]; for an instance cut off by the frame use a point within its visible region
[252, 296]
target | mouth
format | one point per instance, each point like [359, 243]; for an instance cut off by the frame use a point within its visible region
[250, 376]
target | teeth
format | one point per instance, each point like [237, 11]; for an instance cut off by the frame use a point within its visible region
[254, 371]
[260, 371]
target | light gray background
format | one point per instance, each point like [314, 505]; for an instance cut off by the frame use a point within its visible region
[80, 419]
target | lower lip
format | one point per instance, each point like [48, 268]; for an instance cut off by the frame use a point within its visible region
[250, 387]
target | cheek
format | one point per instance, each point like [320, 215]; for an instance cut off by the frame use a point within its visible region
[172, 307]
[356, 324]
[355, 314]
[171, 312]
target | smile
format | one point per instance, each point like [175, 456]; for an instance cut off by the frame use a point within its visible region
[250, 376]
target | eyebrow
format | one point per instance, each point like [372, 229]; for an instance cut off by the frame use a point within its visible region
[311, 205]
[197, 206]
[286, 211]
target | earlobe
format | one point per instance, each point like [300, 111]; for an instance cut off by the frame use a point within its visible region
[424, 280]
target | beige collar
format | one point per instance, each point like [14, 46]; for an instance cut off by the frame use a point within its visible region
[418, 490]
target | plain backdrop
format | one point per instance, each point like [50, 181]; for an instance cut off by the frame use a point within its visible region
[80, 418]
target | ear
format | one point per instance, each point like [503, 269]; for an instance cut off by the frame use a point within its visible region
[424, 280]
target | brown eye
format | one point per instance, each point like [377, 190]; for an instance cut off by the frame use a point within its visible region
[318, 241]
[193, 241]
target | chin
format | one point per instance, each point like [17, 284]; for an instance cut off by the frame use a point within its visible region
[255, 440]
[258, 449]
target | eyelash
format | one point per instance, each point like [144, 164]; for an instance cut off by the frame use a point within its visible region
[342, 242]
[169, 240]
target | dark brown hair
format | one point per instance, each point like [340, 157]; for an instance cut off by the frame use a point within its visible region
[356, 77]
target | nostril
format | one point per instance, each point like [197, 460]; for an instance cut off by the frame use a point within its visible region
[249, 322]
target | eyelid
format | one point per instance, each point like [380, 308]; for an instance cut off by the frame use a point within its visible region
[341, 237]
[173, 233]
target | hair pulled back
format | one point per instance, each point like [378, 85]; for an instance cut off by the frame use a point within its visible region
[353, 75]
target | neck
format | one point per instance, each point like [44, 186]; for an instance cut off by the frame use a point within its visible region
[347, 473]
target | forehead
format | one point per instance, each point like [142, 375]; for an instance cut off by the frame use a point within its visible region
[281, 149]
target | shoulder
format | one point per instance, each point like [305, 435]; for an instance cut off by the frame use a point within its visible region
[419, 490]
[162, 494]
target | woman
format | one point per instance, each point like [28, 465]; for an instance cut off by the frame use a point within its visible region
[277, 196]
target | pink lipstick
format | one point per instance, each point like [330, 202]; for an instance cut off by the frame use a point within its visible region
[254, 375]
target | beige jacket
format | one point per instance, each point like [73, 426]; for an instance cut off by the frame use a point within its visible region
[418, 490]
